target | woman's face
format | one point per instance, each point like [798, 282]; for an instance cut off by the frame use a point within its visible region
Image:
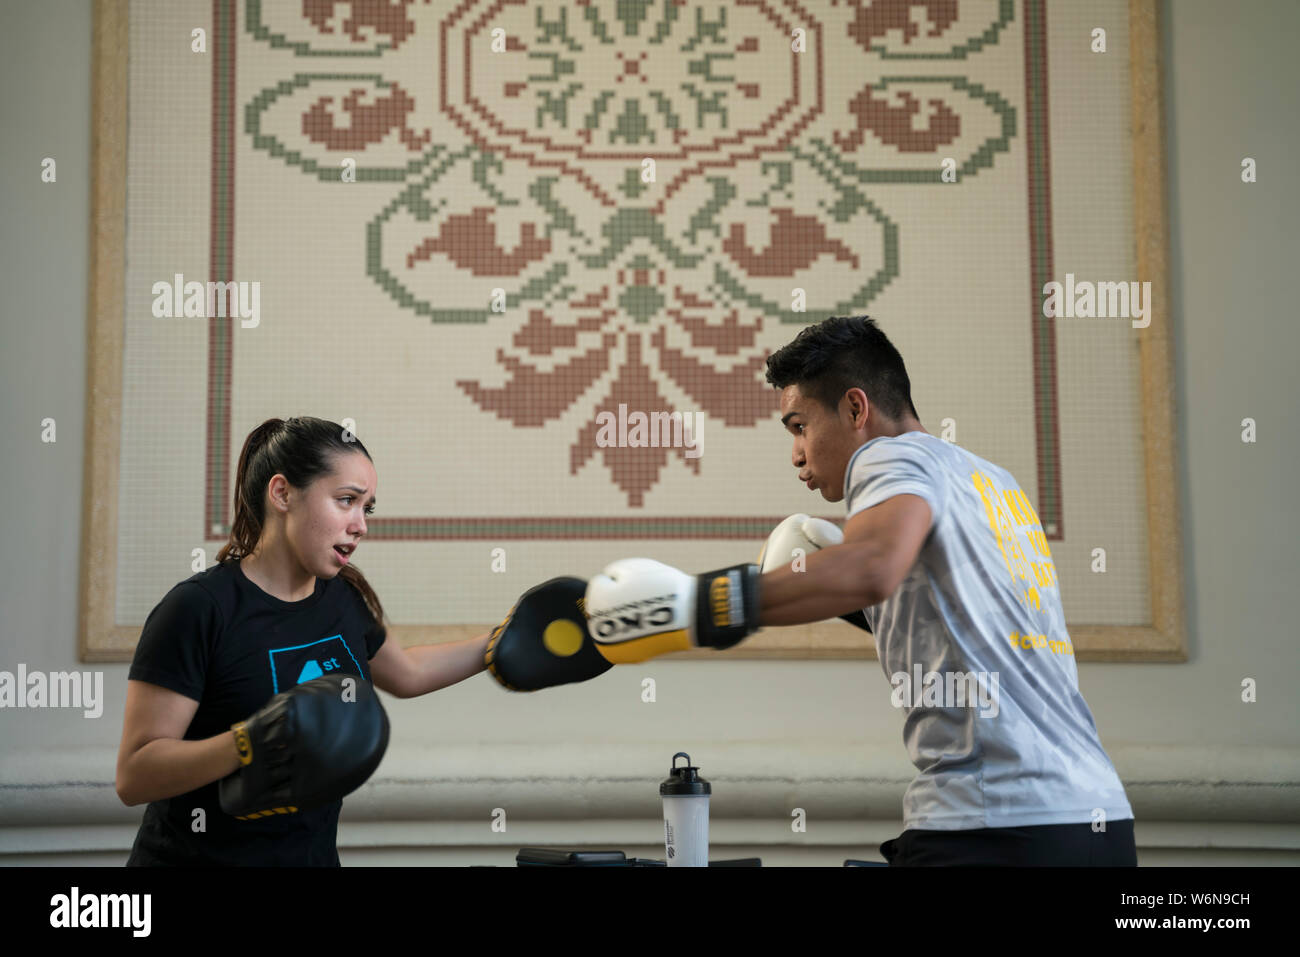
[333, 515]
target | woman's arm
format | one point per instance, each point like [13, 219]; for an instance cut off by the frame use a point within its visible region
[153, 762]
[408, 672]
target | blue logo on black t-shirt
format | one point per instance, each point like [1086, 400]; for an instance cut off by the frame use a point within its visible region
[298, 663]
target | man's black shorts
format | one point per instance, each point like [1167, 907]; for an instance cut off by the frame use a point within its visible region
[1044, 845]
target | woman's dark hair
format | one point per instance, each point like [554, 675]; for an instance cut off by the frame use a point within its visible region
[301, 449]
[827, 359]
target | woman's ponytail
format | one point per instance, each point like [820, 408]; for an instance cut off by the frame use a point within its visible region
[246, 528]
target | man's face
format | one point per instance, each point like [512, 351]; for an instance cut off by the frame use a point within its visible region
[823, 441]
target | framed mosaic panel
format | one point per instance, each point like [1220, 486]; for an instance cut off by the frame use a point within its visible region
[478, 233]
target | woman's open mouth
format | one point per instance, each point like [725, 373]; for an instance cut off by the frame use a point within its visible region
[344, 552]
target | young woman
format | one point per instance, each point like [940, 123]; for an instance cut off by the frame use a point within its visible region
[283, 604]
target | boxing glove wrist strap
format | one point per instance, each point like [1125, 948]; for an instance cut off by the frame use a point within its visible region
[727, 606]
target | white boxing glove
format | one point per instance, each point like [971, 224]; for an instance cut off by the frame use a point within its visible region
[801, 532]
[808, 535]
[797, 532]
[639, 608]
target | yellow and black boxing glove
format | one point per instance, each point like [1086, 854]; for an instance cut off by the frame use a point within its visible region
[543, 642]
[307, 747]
[639, 608]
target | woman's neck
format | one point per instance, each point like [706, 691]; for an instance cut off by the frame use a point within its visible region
[273, 578]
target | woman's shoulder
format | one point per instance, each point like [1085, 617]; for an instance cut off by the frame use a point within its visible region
[339, 589]
[214, 586]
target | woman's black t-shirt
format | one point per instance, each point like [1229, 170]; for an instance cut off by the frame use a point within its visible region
[219, 639]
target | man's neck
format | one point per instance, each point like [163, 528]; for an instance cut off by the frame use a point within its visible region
[898, 428]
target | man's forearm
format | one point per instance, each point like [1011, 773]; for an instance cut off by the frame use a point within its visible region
[834, 582]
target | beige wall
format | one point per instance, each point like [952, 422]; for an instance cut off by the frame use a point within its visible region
[1211, 779]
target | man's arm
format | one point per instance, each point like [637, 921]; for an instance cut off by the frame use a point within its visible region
[881, 544]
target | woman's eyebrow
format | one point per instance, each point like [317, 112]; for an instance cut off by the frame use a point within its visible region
[354, 488]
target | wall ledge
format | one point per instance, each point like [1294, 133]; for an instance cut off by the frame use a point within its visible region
[846, 781]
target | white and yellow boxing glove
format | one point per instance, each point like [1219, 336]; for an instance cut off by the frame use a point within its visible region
[794, 539]
[639, 608]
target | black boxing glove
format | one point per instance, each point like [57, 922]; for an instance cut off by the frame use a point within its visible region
[307, 747]
[543, 642]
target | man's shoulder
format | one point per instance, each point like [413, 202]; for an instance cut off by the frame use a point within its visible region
[945, 451]
[907, 445]
[943, 461]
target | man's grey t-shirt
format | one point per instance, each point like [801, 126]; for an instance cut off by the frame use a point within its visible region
[999, 732]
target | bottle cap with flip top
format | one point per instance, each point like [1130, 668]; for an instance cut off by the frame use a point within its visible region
[684, 780]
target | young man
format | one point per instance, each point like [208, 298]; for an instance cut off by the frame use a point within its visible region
[945, 556]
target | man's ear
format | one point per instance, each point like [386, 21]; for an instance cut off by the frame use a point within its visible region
[857, 407]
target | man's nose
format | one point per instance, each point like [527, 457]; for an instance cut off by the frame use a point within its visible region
[796, 456]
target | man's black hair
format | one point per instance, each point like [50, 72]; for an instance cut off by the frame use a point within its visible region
[828, 358]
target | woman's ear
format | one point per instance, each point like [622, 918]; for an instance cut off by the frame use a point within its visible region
[278, 490]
